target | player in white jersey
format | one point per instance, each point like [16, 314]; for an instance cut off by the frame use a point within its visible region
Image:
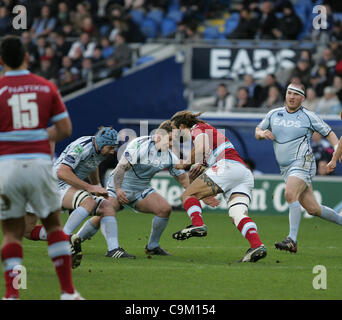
[129, 183]
[290, 128]
[80, 160]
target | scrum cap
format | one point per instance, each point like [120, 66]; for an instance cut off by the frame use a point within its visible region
[106, 136]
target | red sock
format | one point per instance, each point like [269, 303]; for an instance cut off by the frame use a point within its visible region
[59, 252]
[248, 229]
[11, 256]
[194, 209]
[36, 232]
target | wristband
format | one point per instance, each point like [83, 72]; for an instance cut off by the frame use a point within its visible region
[335, 147]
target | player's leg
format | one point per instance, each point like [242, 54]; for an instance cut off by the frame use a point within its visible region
[109, 228]
[157, 205]
[12, 253]
[59, 252]
[309, 202]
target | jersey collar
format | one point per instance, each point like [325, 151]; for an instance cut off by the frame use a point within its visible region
[17, 73]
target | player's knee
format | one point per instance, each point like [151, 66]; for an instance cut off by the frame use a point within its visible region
[290, 196]
[238, 208]
[164, 212]
[313, 209]
[84, 199]
[106, 209]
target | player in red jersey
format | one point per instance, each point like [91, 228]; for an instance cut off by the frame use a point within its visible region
[220, 169]
[27, 104]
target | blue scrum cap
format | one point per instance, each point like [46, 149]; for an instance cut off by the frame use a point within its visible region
[106, 136]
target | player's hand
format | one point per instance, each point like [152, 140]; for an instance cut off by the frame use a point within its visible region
[121, 196]
[182, 165]
[195, 171]
[98, 190]
[267, 134]
[331, 166]
[211, 201]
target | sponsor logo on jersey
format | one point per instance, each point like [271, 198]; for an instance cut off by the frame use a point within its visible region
[286, 123]
[78, 149]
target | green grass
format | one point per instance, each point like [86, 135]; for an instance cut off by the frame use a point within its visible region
[200, 268]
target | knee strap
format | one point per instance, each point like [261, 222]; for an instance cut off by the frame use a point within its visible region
[79, 196]
[237, 208]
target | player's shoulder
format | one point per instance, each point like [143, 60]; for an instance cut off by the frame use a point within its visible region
[42, 81]
[275, 110]
[309, 113]
[136, 143]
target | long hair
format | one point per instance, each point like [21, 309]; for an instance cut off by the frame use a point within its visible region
[187, 118]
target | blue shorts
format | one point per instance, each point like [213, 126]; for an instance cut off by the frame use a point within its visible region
[302, 169]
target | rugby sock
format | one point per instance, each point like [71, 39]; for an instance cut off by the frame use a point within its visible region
[295, 215]
[11, 256]
[331, 215]
[158, 226]
[194, 209]
[248, 229]
[38, 233]
[75, 219]
[109, 229]
[59, 252]
[87, 230]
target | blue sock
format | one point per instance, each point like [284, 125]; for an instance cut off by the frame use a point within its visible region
[87, 231]
[158, 226]
[331, 215]
[295, 215]
[109, 229]
[75, 219]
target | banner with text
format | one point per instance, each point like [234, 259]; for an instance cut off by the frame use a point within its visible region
[232, 63]
[267, 196]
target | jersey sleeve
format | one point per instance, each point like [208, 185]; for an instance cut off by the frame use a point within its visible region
[133, 152]
[58, 110]
[73, 157]
[197, 131]
[173, 171]
[317, 124]
[266, 122]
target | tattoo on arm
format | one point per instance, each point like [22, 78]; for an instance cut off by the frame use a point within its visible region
[210, 183]
[119, 174]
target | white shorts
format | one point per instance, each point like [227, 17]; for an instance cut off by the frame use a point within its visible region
[232, 177]
[300, 169]
[30, 181]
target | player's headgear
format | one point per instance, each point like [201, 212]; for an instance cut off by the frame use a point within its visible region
[106, 136]
[297, 90]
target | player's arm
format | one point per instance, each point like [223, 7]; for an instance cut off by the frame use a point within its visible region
[119, 175]
[66, 174]
[183, 180]
[94, 177]
[332, 138]
[261, 134]
[336, 157]
[60, 130]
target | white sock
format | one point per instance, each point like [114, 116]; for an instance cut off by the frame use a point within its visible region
[109, 229]
[331, 215]
[87, 231]
[158, 226]
[75, 219]
[295, 215]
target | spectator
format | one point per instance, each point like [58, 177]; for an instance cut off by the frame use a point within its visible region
[107, 47]
[122, 52]
[85, 45]
[337, 86]
[88, 26]
[86, 71]
[254, 89]
[51, 55]
[270, 80]
[63, 15]
[97, 56]
[290, 25]
[311, 100]
[82, 11]
[43, 25]
[222, 101]
[321, 148]
[336, 33]
[41, 45]
[243, 100]
[68, 30]
[302, 71]
[46, 70]
[246, 26]
[267, 21]
[274, 99]
[5, 21]
[67, 67]
[61, 47]
[31, 48]
[306, 55]
[66, 79]
[110, 70]
[329, 61]
[329, 103]
[320, 80]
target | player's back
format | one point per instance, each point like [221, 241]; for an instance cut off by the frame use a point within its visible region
[27, 104]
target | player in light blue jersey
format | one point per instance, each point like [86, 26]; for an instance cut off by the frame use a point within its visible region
[129, 184]
[290, 128]
[79, 161]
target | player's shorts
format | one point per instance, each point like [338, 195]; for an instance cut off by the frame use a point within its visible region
[232, 177]
[26, 181]
[304, 170]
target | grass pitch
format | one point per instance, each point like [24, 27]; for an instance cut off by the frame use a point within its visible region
[200, 268]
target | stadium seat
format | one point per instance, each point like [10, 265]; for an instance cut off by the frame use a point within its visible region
[137, 15]
[337, 16]
[173, 5]
[176, 15]
[156, 15]
[230, 25]
[144, 59]
[149, 28]
[210, 32]
[168, 26]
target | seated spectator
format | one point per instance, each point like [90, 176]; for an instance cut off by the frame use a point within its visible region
[107, 47]
[85, 45]
[82, 11]
[336, 33]
[61, 47]
[44, 24]
[329, 61]
[337, 86]
[320, 80]
[46, 69]
[51, 55]
[270, 80]
[68, 31]
[66, 79]
[31, 48]
[329, 103]
[122, 52]
[311, 100]
[110, 70]
[222, 101]
[88, 27]
[254, 89]
[321, 148]
[68, 67]
[97, 56]
[246, 27]
[243, 100]
[290, 25]
[41, 45]
[274, 99]
[302, 71]
[86, 71]
[63, 14]
[267, 21]
[5, 21]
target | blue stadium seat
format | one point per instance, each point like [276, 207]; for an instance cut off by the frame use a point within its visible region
[337, 16]
[173, 5]
[149, 28]
[176, 15]
[231, 25]
[168, 26]
[156, 15]
[137, 15]
[144, 59]
[210, 32]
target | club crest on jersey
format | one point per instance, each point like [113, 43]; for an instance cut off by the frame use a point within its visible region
[78, 149]
[286, 123]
